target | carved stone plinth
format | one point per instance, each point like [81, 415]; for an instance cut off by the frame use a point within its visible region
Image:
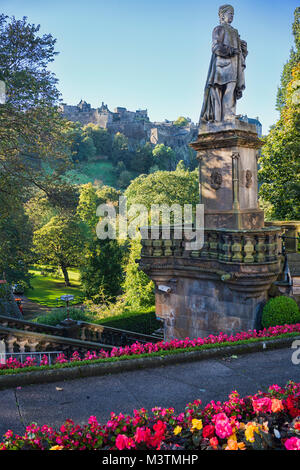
[227, 154]
[221, 287]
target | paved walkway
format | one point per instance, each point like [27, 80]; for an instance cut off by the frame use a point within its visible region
[31, 309]
[174, 385]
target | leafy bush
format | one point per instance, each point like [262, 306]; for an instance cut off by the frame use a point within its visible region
[280, 311]
[57, 315]
[141, 321]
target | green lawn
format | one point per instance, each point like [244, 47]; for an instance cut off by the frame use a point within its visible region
[93, 171]
[46, 289]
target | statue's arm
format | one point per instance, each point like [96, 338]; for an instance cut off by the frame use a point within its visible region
[218, 46]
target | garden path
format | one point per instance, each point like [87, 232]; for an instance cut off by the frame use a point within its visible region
[173, 385]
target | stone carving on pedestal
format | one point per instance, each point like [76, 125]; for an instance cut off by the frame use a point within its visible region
[248, 178]
[216, 179]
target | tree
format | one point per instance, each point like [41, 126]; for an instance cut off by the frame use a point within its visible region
[32, 133]
[181, 122]
[101, 138]
[60, 243]
[164, 187]
[107, 194]
[280, 163]
[101, 272]
[120, 150]
[138, 287]
[124, 179]
[164, 157]
[15, 245]
[291, 63]
[87, 205]
[143, 159]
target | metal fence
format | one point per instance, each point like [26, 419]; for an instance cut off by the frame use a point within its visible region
[22, 357]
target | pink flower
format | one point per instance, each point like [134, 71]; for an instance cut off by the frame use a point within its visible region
[124, 442]
[223, 426]
[262, 405]
[292, 444]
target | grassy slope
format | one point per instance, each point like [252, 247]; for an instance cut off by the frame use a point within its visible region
[93, 171]
[46, 289]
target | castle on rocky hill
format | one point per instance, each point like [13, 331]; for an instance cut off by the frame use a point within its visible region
[138, 128]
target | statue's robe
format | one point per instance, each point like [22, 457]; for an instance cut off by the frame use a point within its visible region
[225, 66]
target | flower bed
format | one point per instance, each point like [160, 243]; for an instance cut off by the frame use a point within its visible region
[148, 349]
[266, 420]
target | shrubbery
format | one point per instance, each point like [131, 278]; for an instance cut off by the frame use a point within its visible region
[280, 311]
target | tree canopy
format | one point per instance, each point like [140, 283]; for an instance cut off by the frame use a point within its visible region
[280, 162]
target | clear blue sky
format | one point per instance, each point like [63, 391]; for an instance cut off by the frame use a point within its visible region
[155, 54]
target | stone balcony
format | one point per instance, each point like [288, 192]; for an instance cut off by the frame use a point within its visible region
[224, 245]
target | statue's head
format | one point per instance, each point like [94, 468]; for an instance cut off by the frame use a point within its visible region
[226, 13]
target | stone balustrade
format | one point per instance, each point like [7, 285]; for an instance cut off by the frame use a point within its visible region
[26, 325]
[224, 245]
[114, 336]
[28, 341]
[31, 337]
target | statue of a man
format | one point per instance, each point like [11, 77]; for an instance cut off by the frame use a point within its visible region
[225, 82]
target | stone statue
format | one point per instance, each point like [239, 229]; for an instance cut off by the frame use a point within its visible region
[225, 82]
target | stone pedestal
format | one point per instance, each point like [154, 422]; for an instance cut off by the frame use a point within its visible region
[221, 287]
[227, 154]
[224, 285]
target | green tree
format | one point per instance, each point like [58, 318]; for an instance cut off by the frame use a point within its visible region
[101, 272]
[107, 194]
[15, 244]
[164, 187]
[32, 135]
[82, 144]
[60, 243]
[181, 122]
[138, 288]
[294, 59]
[280, 163]
[164, 157]
[87, 205]
[120, 150]
[102, 139]
[143, 159]
[124, 179]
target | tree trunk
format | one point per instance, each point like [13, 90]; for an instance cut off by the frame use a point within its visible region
[66, 275]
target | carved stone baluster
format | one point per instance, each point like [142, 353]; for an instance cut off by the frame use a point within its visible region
[237, 248]
[10, 341]
[82, 333]
[260, 249]
[167, 247]
[249, 249]
[205, 250]
[147, 249]
[22, 343]
[157, 247]
[33, 346]
[226, 253]
[271, 247]
[213, 245]
[177, 247]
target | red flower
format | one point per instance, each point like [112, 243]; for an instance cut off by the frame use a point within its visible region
[208, 431]
[293, 405]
